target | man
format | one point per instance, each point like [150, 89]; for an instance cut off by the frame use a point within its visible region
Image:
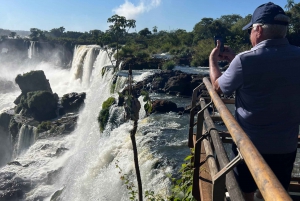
[267, 84]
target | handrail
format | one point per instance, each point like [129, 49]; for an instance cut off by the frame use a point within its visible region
[265, 179]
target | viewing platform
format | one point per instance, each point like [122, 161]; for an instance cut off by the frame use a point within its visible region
[213, 178]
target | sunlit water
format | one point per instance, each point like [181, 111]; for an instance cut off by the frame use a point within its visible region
[91, 166]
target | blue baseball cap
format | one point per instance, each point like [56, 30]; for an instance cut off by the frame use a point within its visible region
[265, 14]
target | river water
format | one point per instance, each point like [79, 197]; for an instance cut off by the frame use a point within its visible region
[91, 167]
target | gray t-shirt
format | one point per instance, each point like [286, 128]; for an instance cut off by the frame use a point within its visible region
[267, 84]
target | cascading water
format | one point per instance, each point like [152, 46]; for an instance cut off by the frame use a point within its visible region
[93, 162]
[87, 171]
[88, 64]
[83, 61]
[26, 137]
[32, 50]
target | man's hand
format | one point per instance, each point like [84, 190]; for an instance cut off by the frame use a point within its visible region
[216, 55]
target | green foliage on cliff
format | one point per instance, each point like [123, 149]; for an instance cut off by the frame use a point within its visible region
[44, 126]
[104, 112]
[168, 65]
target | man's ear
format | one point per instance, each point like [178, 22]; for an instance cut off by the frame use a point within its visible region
[259, 31]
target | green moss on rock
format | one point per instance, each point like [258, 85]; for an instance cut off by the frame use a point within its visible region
[104, 112]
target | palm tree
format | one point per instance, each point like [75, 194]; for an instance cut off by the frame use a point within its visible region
[290, 4]
[154, 29]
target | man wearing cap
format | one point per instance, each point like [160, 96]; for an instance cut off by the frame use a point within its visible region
[266, 80]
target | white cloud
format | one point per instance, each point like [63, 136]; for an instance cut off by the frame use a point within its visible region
[131, 11]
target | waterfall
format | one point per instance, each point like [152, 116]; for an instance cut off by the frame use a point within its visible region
[87, 170]
[26, 137]
[88, 64]
[83, 61]
[32, 50]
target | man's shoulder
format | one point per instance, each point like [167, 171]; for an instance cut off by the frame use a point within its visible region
[245, 53]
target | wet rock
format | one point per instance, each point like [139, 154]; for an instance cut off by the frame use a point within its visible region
[64, 125]
[14, 163]
[33, 81]
[13, 188]
[5, 118]
[41, 105]
[60, 151]
[71, 102]
[179, 85]
[163, 106]
[56, 195]
[52, 176]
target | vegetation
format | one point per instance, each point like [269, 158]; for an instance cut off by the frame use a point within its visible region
[104, 112]
[169, 65]
[194, 45]
[44, 126]
[181, 187]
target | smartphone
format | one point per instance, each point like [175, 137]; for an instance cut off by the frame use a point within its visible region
[222, 42]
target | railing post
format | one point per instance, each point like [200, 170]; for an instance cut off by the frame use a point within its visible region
[197, 145]
[192, 114]
[220, 178]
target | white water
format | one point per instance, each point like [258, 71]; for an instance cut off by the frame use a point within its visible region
[89, 164]
[87, 169]
[26, 137]
[32, 51]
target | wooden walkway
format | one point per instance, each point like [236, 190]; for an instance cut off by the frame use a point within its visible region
[211, 164]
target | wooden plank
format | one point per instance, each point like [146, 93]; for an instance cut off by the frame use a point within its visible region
[205, 182]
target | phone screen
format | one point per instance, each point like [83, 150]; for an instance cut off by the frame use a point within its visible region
[222, 42]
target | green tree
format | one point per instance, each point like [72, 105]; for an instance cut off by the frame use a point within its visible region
[202, 51]
[145, 32]
[289, 5]
[120, 26]
[229, 20]
[57, 32]
[154, 29]
[37, 34]
[12, 34]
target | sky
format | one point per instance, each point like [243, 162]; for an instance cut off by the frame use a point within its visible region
[86, 15]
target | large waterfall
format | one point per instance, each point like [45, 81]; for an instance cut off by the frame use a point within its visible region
[88, 165]
[92, 163]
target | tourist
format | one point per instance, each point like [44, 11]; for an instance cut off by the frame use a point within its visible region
[267, 91]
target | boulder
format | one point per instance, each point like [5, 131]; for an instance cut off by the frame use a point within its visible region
[64, 125]
[179, 84]
[6, 146]
[33, 81]
[163, 106]
[13, 188]
[41, 105]
[71, 102]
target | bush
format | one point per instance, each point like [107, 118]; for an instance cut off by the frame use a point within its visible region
[44, 126]
[109, 102]
[104, 112]
[141, 55]
[169, 65]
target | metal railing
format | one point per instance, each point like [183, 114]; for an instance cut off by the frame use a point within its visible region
[220, 167]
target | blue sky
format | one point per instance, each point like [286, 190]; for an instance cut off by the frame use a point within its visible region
[86, 15]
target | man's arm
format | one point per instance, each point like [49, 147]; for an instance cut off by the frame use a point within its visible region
[214, 70]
